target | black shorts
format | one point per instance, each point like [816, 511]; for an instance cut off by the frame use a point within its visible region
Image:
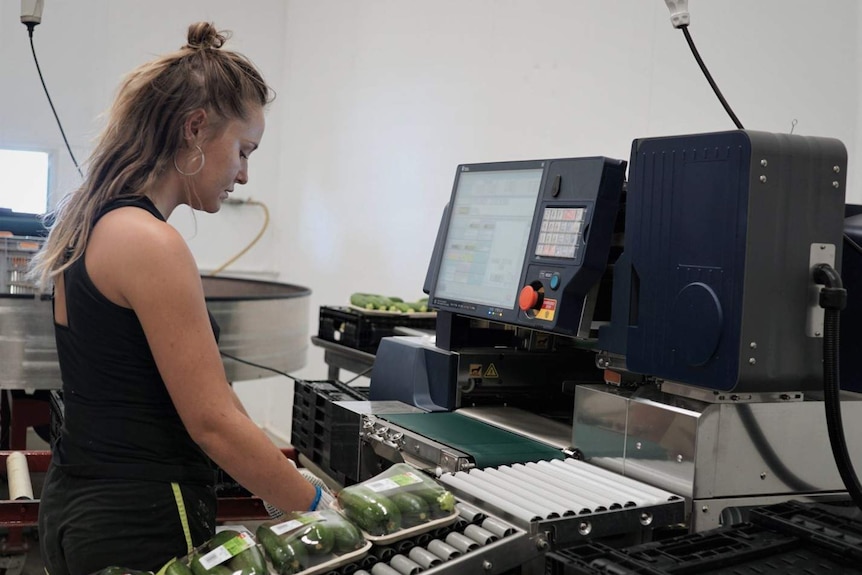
[87, 524]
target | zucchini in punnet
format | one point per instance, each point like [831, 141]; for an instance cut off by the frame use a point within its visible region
[374, 513]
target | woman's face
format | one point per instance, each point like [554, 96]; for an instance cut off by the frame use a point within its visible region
[226, 164]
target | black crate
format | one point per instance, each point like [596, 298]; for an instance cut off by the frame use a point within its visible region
[363, 331]
[834, 527]
[319, 433]
[786, 539]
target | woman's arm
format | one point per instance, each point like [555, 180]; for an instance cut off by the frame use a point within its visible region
[147, 264]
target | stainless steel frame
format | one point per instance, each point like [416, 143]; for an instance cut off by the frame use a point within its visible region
[715, 454]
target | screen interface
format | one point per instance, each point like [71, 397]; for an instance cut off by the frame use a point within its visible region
[489, 228]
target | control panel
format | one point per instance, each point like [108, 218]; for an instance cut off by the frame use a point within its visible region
[526, 243]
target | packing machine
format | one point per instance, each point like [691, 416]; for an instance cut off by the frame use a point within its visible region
[616, 355]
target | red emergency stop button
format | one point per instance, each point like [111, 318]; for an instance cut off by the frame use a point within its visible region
[529, 298]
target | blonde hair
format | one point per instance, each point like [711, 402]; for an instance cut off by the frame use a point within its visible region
[144, 131]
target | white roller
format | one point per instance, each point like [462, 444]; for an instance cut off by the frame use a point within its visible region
[613, 489]
[596, 501]
[460, 482]
[563, 503]
[587, 484]
[530, 498]
[626, 483]
[571, 499]
[18, 474]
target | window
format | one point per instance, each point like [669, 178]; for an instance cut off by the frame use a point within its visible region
[24, 181]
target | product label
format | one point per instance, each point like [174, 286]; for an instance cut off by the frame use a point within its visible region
[283, 528]
[304, 519]
[229, 549]
[394, 482]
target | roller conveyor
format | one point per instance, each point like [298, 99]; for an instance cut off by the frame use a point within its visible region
[569, 500]
[509, 516]
[477, 543]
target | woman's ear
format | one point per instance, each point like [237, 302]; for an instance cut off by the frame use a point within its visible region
[194, 125]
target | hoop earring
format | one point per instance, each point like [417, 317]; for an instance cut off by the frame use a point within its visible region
[196, 172]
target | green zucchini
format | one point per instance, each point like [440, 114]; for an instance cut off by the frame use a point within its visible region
[298, 558]
[116, 570]
[414, 509]
[440, 501]
[248, 562]
[286, 557]
[345, 534]
[373, 513]
[317, 538]
[272, 546]
[221, 538]
[178, 568]
[198, 569]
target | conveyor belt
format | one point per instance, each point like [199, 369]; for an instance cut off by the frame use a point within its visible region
[488, 445]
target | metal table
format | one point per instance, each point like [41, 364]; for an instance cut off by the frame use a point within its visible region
[338, 357]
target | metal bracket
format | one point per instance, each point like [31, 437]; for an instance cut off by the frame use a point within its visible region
[819, 254]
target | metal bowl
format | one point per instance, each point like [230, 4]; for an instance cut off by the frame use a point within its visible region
[265, 323]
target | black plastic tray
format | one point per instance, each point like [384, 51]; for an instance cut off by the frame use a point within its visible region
[363, 331]
[315, 432]
[789, 538]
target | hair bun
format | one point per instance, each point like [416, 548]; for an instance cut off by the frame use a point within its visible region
[203, 35]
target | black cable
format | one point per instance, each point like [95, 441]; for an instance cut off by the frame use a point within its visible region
[287, 375]
[357, 376]
[849, 241]
[44, 87]
[251, 363]
[709, 77]
[833, 298]
[770, 457]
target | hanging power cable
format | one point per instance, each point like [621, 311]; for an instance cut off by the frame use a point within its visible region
[31, 16]
[680, 19]
[256, 238]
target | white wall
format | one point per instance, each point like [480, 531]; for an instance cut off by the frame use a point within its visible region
[379, 100]
[384, 98]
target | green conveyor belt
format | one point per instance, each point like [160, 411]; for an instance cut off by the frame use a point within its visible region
[490, 446]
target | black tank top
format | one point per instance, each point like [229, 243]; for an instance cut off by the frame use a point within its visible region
[119, 421]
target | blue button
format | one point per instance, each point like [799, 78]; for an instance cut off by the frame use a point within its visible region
[555, 281]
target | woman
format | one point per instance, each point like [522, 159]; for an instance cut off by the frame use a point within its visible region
[147, 403]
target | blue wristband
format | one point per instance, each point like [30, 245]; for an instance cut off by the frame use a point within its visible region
[317, 493]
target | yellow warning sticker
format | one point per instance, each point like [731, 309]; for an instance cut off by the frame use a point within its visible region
[549, 308]
[475, 370]
[491, 372]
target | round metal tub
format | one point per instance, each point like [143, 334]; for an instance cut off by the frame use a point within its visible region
[265, 323]
[261, 322]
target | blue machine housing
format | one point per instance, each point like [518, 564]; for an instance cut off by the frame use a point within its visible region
[714, 286]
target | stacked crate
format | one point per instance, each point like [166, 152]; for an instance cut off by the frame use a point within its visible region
[15, 255]
[318, 433]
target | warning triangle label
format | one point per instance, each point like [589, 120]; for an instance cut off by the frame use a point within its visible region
[491, 371]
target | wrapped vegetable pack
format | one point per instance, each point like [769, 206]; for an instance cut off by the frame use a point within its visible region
[311, 542]
[399, 502]
[229, 552]
[117, 570]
